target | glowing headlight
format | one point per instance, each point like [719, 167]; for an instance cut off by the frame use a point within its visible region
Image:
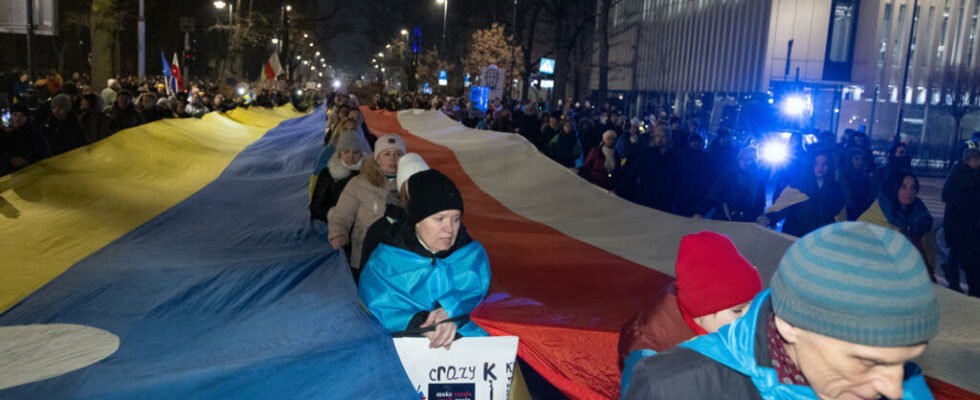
[774, 152]
[795, 105]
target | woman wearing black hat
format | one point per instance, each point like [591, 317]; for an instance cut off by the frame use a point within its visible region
[427, 271]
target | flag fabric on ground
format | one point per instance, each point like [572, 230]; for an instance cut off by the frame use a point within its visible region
[191, 242]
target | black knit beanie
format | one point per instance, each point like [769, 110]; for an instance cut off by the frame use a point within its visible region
[430, 192]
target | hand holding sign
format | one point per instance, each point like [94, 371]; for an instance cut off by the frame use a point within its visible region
[477, 368]
[445, 332]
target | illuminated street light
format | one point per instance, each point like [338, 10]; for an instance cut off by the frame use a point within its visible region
[336, 83]
[311, 44]
[381, 55]
[289, 7]
[305, 36]
[299, 58]
[275, 40]
[404, 32]
[388, 46]
[382, 69]
[219, 4]
[306, 62]
[374, 60]
[317, 54]
[321, 74]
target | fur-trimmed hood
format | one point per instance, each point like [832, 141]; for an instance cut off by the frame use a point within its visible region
[337, 168]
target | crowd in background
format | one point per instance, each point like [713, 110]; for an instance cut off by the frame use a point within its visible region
[53, 115]
[679, 167]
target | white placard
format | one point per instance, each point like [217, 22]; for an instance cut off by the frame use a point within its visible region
[474, 368]
[494, 78]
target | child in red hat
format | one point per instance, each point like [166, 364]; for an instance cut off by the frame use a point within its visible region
[715, 284]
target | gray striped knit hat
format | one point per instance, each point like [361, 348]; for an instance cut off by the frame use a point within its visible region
[859, 283]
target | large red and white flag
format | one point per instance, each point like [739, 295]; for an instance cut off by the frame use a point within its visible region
[272, 68]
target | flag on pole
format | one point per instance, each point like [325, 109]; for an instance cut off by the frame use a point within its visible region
[272, 68]
[167, 75]
[175, 75]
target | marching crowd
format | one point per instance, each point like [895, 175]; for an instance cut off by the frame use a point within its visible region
[53, 115]
[850, 305]
[658, 161]
[400, 222]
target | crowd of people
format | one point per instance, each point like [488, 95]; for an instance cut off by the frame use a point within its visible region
[801, 338]
[658, 161]
[53, 115]
[400, 222]
[419, 272]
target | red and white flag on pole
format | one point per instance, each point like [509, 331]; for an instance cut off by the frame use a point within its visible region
[175, 73]
[272, 68]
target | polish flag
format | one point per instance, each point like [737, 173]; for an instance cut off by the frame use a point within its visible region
[272, 68]
[175, 73]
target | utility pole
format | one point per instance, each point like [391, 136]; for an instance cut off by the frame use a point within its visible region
[285, 41]
[905, 76]
[513, 54]
[141, 32]
[30, 38]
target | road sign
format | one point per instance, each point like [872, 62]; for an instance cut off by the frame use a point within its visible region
[547, 66]
[187, 24]
[443, 78]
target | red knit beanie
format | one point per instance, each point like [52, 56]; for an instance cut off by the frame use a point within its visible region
[712, 275]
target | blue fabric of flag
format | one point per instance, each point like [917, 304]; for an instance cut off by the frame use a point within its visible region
[232, 293]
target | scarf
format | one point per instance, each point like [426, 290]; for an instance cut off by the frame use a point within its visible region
[610, 154]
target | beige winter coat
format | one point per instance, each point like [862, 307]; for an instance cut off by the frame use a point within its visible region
[359, 205]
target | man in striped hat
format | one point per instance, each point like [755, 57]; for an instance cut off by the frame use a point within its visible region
[848, 307]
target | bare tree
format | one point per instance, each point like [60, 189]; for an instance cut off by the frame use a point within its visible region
[527, 42]
[104, 24]
[569, 18]
[429, 65]
[959, 94]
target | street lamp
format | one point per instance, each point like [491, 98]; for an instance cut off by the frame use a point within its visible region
[275, 40]
[445, 12]
[404, 32]
[221, 6]
[381, 55]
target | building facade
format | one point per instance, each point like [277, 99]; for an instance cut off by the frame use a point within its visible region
[848, 56]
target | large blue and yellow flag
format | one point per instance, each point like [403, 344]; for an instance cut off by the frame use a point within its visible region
[189, 241]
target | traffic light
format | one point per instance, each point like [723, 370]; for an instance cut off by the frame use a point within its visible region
[190, 57]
